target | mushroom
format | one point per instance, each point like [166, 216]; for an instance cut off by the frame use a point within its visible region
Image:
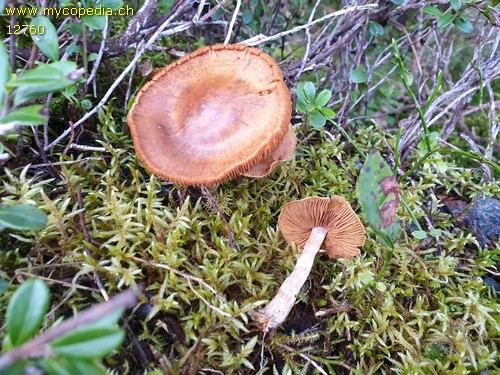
[283, 152]
[211, 115]
[311, 223]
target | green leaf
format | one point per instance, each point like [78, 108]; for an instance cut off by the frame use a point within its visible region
[433, 10]
[44, 74]
[4, 72]
[301, 107]
[94, 22]
[408, 77]
[32, 115]
[358, 75]
[247, 16]
[88, 342]
[436, 232]
[380, 286]
[4, 284]
[365, 277]
[441, 166]
[323, 98]
[310, 91]
[445, 20]
[72, 49]
[73, 366]
[75, 28]
[378, 194]
[317, 120]
[27, 307]
[22, 217]
[456, 4]
[108, 319]
[419, 234]
[463, 24]
[86, 104]
[44, 79]
[16, 369]
[47, 42]
[301, 95]
[375, 28]
[328, 113]
[113, 4]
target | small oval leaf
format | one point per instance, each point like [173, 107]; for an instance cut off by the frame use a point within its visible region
[445, 20]
[27, 307]
[317, 120]
[88, 342]
[94, 22]
[301, 95]
[310, 91]
[323, 98]
[419, 234]
[46, 41]
[44, 79]
[358, 75]
[22, 217]
[247, 16]
[433, 10]
[378, 195]
[375, 28]
[31, 115]
[365, 277]
[463, 24]
[456, 4]
[72, 366]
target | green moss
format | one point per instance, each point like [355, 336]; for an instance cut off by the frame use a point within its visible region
[435, 314]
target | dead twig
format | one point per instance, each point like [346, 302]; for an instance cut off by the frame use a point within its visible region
[233, 20]
[215, 206]
[184, 275]
[259, 39]
[303, 356]
[140, 51]
[39, 346]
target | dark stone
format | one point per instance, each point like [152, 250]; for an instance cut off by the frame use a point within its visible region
[484, 217]
[492, 283]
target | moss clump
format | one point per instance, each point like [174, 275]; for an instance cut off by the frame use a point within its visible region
[110, 217]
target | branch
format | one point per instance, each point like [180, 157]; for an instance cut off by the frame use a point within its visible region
[140, 51]
[39, 345]
[259, 39]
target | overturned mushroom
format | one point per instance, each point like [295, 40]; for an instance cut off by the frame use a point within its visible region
[311, 223]
[211, 115]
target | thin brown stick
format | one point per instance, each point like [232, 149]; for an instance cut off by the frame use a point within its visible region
[39, 346]
[184, 275]
[140, 51]
[213, 202]
[259, 39]
[302, 355]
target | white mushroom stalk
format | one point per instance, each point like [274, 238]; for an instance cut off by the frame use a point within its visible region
[280, 306]
[335, 228]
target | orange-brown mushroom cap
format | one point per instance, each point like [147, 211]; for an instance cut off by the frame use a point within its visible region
[283, 152]
[345, 231]
[210, 115]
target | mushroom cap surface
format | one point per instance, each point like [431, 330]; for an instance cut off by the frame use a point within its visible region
[345, 231]
[210, 115]
[283, 152]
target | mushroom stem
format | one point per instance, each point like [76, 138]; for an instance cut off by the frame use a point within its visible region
[279, 307]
